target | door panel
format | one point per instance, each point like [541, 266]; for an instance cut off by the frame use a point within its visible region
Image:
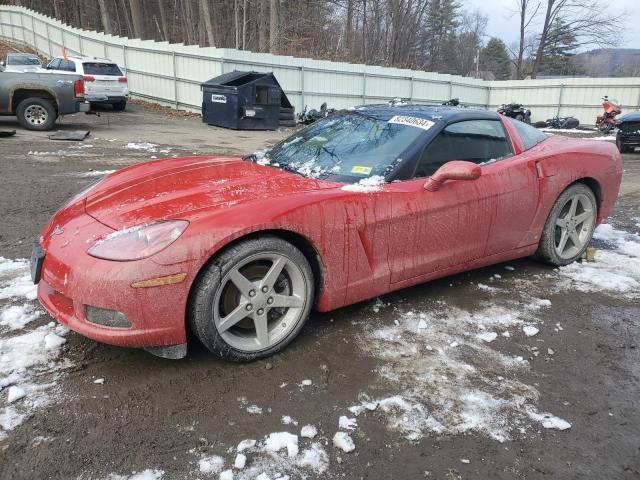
[515, 184]
[431, 231]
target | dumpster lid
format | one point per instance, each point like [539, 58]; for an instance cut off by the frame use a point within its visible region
[238, 78]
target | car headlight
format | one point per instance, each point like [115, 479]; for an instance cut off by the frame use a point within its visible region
[138, 242]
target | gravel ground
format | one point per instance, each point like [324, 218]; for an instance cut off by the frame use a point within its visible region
[553, 394]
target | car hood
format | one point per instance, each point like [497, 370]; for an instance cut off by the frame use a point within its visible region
[178, 188]
[630, 117]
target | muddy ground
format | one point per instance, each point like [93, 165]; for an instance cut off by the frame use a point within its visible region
[166, 415]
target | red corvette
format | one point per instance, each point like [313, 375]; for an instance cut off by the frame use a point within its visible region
[361, 203]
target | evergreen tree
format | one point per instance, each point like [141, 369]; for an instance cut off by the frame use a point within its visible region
[495, 59]
[559, 51]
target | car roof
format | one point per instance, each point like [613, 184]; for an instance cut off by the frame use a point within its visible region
[428, 112]
[88, 59]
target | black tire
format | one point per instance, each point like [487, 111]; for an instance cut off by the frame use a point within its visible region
[547, 248]
[287, 116]
[204, 289]
[42, 122]
[622, 147]
[120, 106]
[520, 117]
[288, 123]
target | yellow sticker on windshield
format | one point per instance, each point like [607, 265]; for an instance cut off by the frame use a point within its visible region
[361, 170]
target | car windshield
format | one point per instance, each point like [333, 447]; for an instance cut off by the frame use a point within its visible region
[347, 147]
[22, 60]
[102, 69]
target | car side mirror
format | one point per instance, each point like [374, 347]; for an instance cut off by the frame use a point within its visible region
[454, 170]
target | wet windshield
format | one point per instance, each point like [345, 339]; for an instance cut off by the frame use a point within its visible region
[347, 148]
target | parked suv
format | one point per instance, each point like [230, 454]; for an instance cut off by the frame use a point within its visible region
[628, 137]
[104, 81]
[21, 62]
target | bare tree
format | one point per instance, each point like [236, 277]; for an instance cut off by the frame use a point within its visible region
[273, 27]
[527, 10]
[204, 5]
[136, 18]
[584, 19]
[104, 15]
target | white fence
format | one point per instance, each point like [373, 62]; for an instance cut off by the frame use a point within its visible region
[171, 74]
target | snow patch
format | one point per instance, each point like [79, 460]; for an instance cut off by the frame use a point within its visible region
[366, 185]
[344, 442]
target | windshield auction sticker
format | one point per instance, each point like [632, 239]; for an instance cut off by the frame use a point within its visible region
[412, 121]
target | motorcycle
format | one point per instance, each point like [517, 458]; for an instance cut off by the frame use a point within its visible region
[564, 123]
[454, 102]
[607, 121]
[307, 118]
[517, 111]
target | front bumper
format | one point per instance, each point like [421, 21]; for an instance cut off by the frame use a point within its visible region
[71, 280]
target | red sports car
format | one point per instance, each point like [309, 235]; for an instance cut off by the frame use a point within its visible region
[361, 203]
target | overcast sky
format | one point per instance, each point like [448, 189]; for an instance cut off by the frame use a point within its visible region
[504, 23]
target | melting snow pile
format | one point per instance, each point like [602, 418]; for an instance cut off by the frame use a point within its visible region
[448, 377]
[615, 271]
[144, 146]
[280, 455]
[27, 354]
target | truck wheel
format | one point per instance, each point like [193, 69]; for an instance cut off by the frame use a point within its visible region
[120, 106]
[36, 114]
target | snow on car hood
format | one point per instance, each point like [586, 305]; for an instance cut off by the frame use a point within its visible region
[176, 188]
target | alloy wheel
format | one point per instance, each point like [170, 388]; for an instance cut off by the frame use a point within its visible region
[36, 115]
[259, 301]
[574, 226]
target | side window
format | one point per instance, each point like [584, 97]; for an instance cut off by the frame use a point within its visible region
[477, 141]
[529, 135]
[55, 64]
[67, 66]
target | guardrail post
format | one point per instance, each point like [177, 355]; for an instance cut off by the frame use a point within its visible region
[104, 47]
[450, 90]
[411, 89]
[175, 78]
[49, 41]
[560, 99]
[124, 58]
[364, 88]
[302, 86]
[33, 34]
[80, 44]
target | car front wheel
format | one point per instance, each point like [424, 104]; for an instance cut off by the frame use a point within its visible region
[569, 227]
[253, 299]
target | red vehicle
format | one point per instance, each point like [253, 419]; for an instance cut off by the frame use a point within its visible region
[607, 121]
[354, 206]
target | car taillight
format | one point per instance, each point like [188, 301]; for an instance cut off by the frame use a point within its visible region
[89, 78]
[122, 79]
[78, 88]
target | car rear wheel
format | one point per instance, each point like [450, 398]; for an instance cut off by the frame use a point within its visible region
[120, 106]
[252, 300]
[36, 114]
[520, 117]
[569, 226]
